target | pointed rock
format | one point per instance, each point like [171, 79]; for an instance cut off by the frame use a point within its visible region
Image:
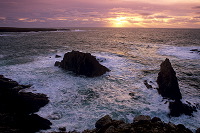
[167, 82]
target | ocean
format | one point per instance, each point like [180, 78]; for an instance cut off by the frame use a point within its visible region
[132, 54]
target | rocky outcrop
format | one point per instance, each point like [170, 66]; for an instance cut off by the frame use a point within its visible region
[140, 124]
[82, 64]
[167, 82]
[169, 88]
[17, 108]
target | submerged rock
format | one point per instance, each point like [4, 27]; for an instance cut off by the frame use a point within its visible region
[147, 85]
[167, 82]
[17, 108]
[57, 56]
[82, 64]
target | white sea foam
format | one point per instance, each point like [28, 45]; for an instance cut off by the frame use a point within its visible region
[1, 56]
[180, 52]
[76, 102]
[77, 30]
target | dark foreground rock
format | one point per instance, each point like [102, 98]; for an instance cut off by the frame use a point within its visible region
[140, 124]
[17, 108]
[82, 64]
[169, 88]
[167, 82]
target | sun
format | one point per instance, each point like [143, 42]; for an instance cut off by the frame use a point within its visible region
[120, 22]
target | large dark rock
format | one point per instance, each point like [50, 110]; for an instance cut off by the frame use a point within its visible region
[106, 120]
[82, 64]
[17, 108]
[167, 82]
[169, 88]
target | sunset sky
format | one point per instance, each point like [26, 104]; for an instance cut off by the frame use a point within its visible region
[101, 13]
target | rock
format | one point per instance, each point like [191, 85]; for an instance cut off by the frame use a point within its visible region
[172, 125]
[104, 121]
[32, 102]
[142, 118]
[57, 56]
[178, 108]
[101, 59]
[83, 64]
[17, 108]
[124, 127]
[7, 83]
[198, 130]
[169, 88]
[116, 123]
[155, 119]
[144, 125]
[62, 129]
[167, 82]
[57, 63]
[147, 85]
[132, 94]
[111, 129]
[196, 50]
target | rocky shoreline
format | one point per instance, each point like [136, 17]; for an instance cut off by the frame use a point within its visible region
[140, 124]
[17, 108]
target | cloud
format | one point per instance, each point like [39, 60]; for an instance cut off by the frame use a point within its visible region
[162, 16]
[95, 13]
[145, 14]
[196, 7]
[197, 17]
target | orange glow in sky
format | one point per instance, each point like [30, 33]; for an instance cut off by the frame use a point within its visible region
[105, 13]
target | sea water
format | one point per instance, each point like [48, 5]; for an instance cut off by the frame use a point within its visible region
[132, 55]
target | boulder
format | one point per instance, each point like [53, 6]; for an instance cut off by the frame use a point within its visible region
[83, 64]
[141, 124]
[155, 119]
[167, 82]
[104, 121]
[142, 118]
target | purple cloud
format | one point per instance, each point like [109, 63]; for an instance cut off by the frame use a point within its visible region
[54, 13]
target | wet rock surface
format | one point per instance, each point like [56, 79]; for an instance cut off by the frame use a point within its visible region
[141, 124]
[82, 64]
[17, 108]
